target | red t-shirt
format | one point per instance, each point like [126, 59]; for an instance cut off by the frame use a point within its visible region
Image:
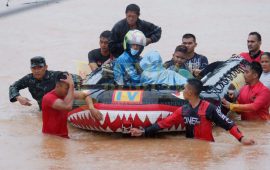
[54, 121]
[247, 57]
[198, 121]
[257, 98]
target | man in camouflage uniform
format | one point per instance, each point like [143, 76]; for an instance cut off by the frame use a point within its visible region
[39, 82]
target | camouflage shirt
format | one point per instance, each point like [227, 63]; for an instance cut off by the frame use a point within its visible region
[37, 88]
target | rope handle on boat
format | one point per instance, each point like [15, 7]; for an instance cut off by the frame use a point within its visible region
[126, 126]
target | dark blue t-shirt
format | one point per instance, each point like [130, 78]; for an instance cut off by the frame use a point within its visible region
[197, 62]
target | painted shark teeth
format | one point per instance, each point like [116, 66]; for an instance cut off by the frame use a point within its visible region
[179, 127]
[153, 118]
[108, 129]
[83, 119]
[165, 114]
[119, 130]
[172, 128]
[113, 116]
[71, 117]
[142, 116]
[79, 114]
[87, 114]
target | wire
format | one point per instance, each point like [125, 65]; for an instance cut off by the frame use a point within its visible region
[94, 92]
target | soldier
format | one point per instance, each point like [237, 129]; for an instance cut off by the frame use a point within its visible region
[39, 82]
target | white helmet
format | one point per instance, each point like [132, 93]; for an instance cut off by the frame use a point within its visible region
[134, 37]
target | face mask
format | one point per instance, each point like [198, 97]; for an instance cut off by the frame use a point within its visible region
[133, 52]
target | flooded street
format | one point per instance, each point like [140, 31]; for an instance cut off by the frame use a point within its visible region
[64, 32]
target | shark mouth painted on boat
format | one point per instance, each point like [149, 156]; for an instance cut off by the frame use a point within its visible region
[117, 118]
[124, 107]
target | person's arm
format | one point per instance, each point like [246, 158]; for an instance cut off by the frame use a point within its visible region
[116, 40]
[117, 72]
[14, 89]
[167, 64]
[196, 72]
[215, 115]
[67, 103]
[83, 95]
[77, 80]
[91, 60]
[108, 61]
[93, 66]
[204, 62]
[153, 32]
[133, 73]
[261, 100]
[174, 118]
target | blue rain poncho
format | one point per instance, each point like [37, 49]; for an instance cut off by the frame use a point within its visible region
[124, 70]
[155, 73]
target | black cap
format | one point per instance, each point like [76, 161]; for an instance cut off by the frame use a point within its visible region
[38, 61]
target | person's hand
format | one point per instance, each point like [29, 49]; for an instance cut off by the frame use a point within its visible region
[136, 132]
[148, 41]
[196, 72]
[231, 94]
[107, 62]
[246, 141]
[177, 65]
[96, 114]
[23, 101]
[68, 80]
[225, 103]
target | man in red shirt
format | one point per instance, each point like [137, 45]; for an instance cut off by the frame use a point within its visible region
[254, 44]
[253, 100]
[57, 103]
[197, 116]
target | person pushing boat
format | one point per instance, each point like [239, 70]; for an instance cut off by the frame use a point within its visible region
[197, 116]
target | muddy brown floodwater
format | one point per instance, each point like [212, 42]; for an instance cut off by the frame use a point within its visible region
[64, 32]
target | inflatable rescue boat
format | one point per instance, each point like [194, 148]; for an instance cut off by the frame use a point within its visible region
[124, 107]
